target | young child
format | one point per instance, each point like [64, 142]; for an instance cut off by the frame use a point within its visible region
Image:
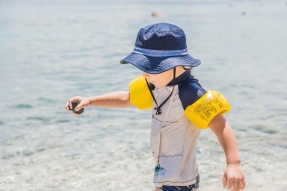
[180, 109]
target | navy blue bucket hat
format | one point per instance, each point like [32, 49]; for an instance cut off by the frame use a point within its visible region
[160, 47]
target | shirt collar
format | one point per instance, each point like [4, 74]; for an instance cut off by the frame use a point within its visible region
[184, 76]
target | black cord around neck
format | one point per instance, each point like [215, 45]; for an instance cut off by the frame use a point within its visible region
[158, 108]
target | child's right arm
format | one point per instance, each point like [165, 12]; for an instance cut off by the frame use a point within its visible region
[118, 99]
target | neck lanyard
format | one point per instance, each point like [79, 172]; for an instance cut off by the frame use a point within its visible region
[158, 108]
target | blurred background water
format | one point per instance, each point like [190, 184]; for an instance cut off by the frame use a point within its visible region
[51, 50]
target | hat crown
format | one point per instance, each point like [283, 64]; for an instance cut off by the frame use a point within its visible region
[161, 36]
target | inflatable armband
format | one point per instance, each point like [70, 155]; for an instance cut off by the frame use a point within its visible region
[206, 108]
[140, 95]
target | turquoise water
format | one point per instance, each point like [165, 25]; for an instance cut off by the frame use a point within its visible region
[53, 50]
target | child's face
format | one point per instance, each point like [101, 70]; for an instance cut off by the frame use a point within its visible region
[159, 80]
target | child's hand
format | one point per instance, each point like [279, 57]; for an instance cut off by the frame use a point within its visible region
[233, 178]
[83, 103]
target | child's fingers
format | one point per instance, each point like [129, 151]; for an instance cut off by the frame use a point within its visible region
[70, 104]
[78, 107]
[235, 186]
[67, 106]
[81, 106]
[229, 185]
[243, 184]
[224, 180]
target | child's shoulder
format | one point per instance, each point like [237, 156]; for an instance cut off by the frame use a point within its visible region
[190, 91]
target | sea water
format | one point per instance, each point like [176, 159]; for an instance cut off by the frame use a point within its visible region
[53, 50]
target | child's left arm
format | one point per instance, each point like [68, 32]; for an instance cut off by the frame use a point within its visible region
[233, 178]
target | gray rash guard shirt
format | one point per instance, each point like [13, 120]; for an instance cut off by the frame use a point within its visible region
[174, 137]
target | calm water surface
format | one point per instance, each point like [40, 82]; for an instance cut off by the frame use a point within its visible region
[53, 50]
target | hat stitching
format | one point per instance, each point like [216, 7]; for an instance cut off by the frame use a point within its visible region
[177, 30]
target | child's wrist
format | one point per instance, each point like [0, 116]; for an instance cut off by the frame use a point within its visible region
[89, 102]
[237, 162]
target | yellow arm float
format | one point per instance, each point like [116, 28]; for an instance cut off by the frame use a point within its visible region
[140, 95]
[206, 108]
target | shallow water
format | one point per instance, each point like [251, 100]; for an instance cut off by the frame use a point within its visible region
[51, 50]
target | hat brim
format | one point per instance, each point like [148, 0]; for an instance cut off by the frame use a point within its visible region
[157, 65]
